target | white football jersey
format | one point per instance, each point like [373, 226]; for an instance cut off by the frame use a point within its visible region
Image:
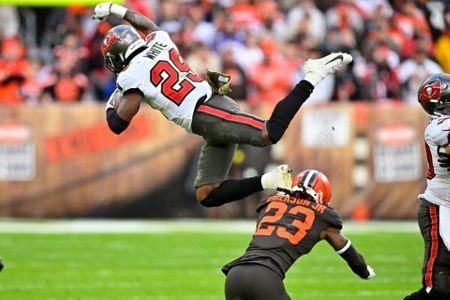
[165, 80]
[437, 135]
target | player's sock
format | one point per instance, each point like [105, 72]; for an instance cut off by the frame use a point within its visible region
[286, 109]
[231, 190]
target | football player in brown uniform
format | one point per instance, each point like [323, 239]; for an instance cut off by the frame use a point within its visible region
[289, 225]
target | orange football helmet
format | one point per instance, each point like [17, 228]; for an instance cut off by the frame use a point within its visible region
[315, 184]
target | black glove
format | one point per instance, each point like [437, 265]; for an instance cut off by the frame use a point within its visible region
[1, 264]
[444, 160]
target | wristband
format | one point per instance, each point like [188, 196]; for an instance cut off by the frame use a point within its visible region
[118, 10]
[347, 245]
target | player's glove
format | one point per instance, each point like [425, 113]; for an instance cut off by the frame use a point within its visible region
[219, 82]
[106, 9]
[1, 264]
[371, 273]
[444, 160]
[278, 177]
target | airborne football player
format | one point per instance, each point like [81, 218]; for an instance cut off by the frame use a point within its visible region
[152, 71]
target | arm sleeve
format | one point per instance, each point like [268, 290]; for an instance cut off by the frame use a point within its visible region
[354, 260]
[115, 122]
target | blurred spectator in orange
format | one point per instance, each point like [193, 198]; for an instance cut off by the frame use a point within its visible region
[412, 23]
[272, 21]
[270, 79]
[33, 85]
[386, 83]
[68, 83]
[13, 69]
[243, 15]
[345, 15]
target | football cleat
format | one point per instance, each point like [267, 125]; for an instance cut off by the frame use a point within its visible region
[318, 69]
[280, 177]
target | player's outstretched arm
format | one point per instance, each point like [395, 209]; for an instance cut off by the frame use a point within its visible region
[344, 248]
[137, 20]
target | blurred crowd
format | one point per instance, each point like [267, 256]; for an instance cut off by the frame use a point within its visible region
[53, 54]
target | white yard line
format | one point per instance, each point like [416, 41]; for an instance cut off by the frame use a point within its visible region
[179, 225]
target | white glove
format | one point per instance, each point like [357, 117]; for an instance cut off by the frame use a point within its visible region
[105, 9]
[278, 177]
[371, 272]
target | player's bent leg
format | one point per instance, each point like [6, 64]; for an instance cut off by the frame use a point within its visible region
[286, 109]
[220, 121]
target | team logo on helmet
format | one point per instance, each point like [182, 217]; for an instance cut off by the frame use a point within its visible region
[430, 93]
[109, 40]
[315, 184]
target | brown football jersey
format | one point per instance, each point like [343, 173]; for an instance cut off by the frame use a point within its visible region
[287, 228]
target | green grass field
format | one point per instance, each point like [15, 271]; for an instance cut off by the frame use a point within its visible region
[182, 260]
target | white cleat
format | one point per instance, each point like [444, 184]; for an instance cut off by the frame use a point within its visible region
[278, 177]
[318, 69]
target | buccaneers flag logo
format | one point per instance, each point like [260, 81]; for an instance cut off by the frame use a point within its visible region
[430, 92]
[109, 40]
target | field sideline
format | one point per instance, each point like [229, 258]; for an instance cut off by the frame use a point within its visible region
[181, 259]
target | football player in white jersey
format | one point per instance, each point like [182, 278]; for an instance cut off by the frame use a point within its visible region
[153, 71]
[434, 209]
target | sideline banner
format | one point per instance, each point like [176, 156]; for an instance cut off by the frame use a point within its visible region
[60, 160]
[17, 154]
